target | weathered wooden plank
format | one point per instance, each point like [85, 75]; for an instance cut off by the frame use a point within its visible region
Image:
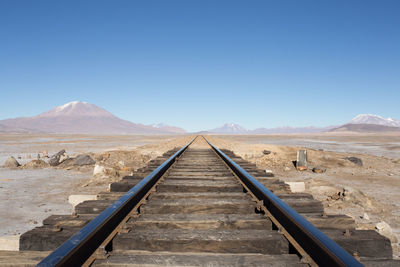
[130, 259]
[44, 238]
[235, 241]
[205, 221]
[21, 258]
[199, 195]
[205, 187]
[198, 206]
[92, 206]
[363, 242]
[341, 222]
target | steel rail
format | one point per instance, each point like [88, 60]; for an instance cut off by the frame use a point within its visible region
[323, 250]
[77, 249]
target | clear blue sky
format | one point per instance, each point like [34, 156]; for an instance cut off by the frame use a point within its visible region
[199, 64]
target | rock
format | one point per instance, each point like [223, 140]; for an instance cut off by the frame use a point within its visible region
[296, 187]
[67, 163]
[324, 190]
[384, 229]
[266, 152]
[99, 170]
[319, 169]
[269, 172]
[9, 243]
[355, 160]
[126, 169]
[11, 162]
[83, 159]
[36, 163]
[103, 172]
[301, 162]
[63, 157]
[365, 216]
[287, 169]
[76, 199]
[58, 158]
[356, 196]
[28, 156]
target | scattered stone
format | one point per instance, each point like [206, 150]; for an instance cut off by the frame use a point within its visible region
[356, 196]
[287, 169]
[355, 160]
[384, 229]
[11, 162]
[319, 169]
[99, 170]
[63, 157]
[83, 159]
[76, 199]
[66, 163]
[365, 216]
[45, 154]
[296, 187]
[58, 158]
[36, 163]
[268, 171]
[301, 162]
[126, 169]
[9, 243]
[266, 152]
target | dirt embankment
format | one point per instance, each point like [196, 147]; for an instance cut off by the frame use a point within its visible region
[113, 165]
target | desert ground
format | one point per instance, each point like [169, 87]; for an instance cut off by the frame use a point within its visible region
[31, 192]
[372, 190]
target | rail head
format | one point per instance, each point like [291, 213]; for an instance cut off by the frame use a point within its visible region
[323, 250]
[77, 249]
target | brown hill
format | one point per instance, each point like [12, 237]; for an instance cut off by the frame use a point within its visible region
[373, 128]
[83, 118]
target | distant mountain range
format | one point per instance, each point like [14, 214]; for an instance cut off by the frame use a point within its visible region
[369, 123]
[360, 123]
[374, 119]
[84, 118]
[232, 128]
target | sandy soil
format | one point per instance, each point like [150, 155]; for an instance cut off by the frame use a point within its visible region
[373, 189]
[27, 196]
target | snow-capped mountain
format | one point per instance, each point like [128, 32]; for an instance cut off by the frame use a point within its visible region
[82, 117]
[374, 119]
[79, 109]
[230, 128]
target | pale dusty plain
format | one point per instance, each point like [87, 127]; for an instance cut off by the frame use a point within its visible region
[27, 196]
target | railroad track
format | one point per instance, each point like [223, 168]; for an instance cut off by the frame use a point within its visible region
[200, 206]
